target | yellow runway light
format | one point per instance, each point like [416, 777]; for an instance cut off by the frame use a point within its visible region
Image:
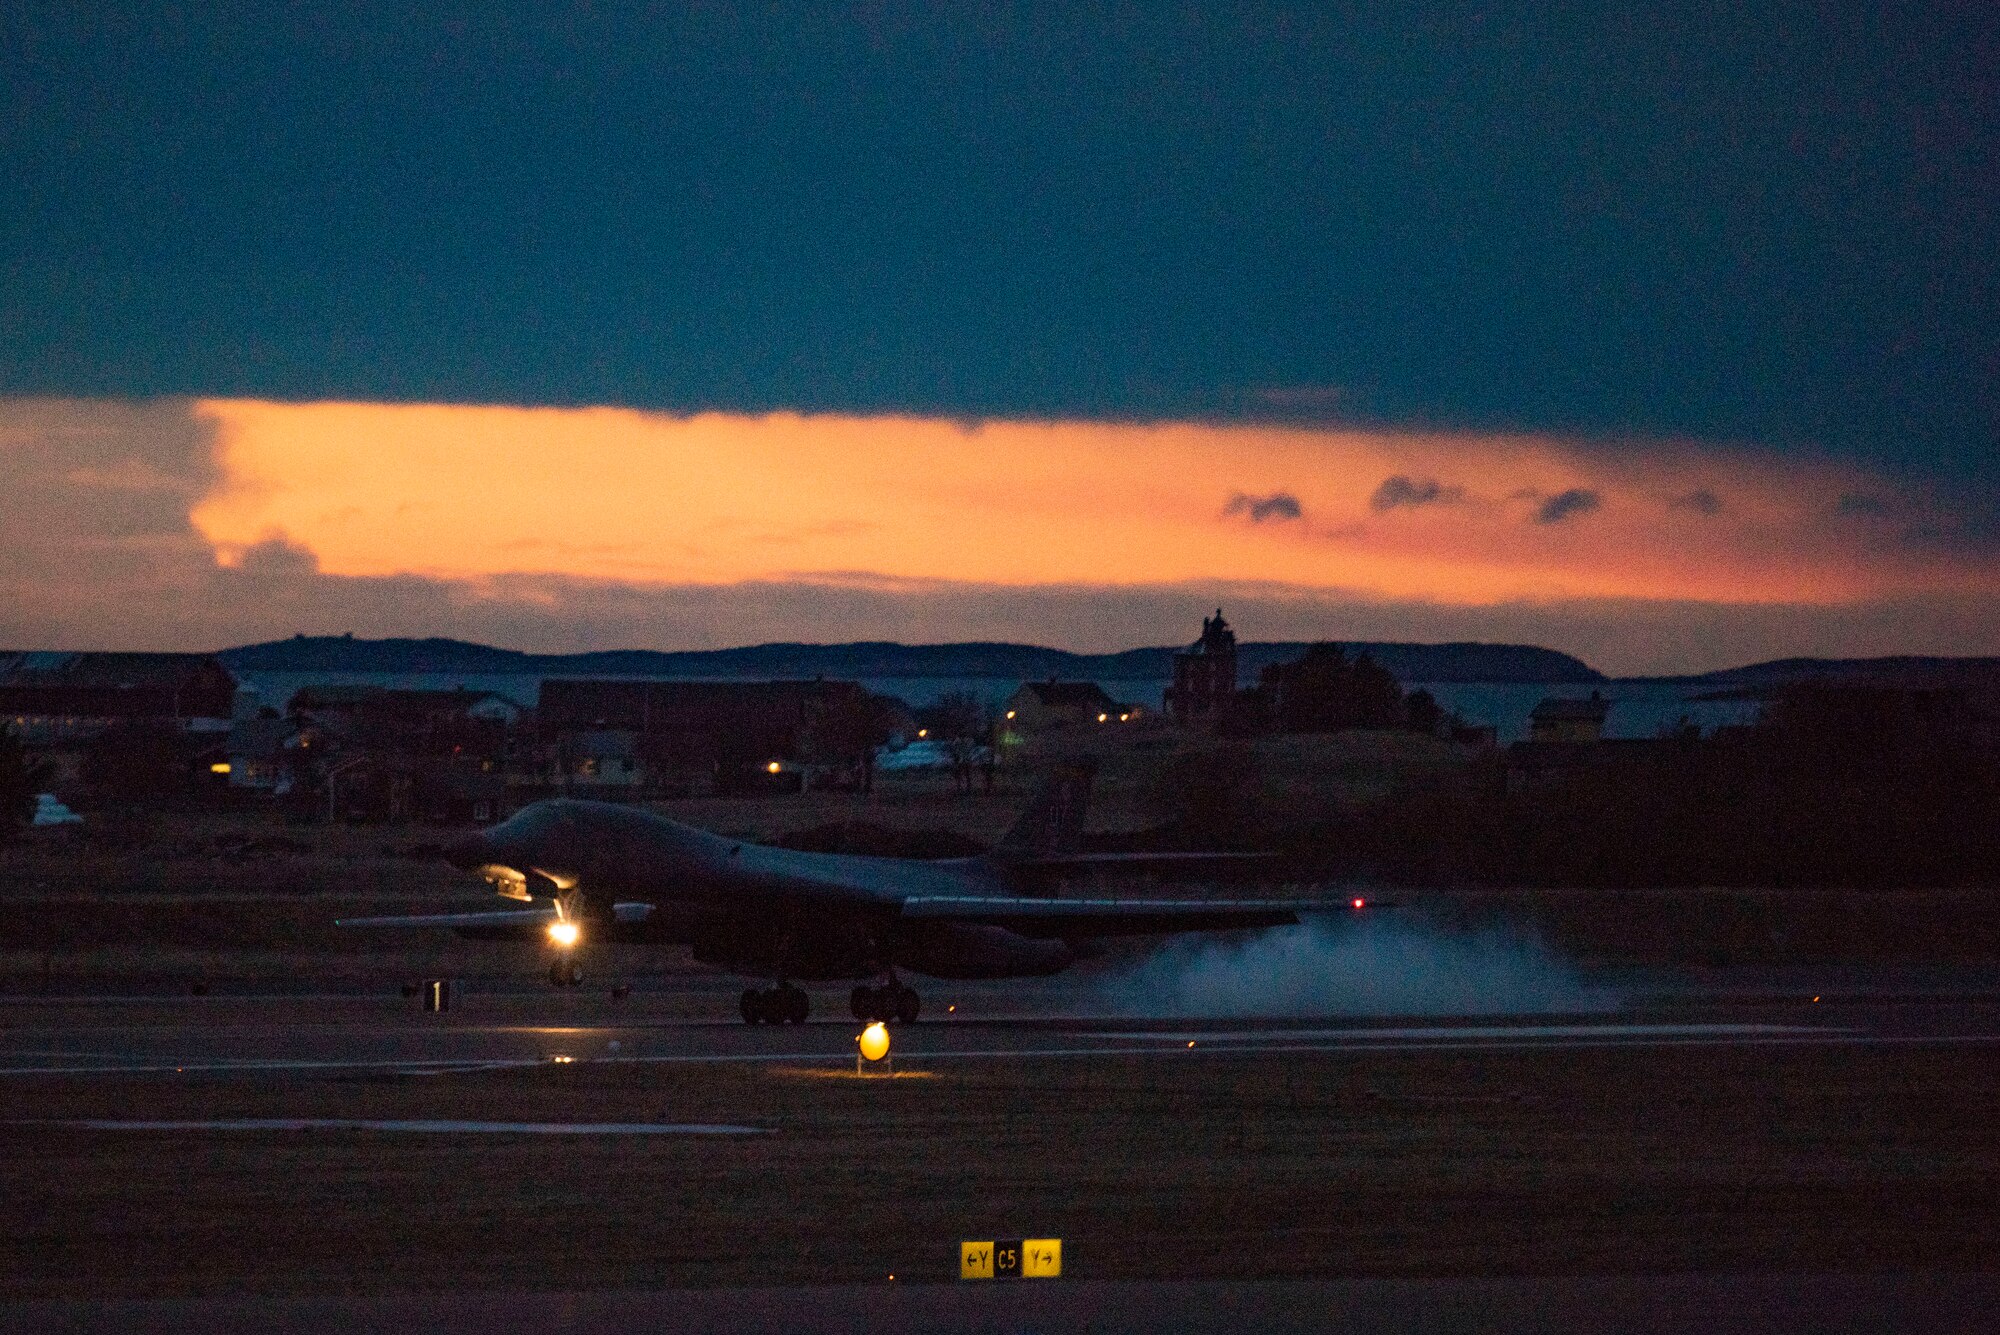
[875, 1041]
[565, 933]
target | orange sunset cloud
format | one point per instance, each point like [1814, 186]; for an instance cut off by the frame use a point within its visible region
[468, 492]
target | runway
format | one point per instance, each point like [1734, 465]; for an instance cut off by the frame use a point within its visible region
[296, 1161]
[346, 1034]
[1627, 1305]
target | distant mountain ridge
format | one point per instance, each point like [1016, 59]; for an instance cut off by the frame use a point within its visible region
[1903, 669]
[1514, 663]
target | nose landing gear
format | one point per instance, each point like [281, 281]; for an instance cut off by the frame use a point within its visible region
[891, 1001]
[783, 1004]
[566, 972]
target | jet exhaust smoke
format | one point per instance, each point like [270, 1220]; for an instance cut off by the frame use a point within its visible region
[1392, 962]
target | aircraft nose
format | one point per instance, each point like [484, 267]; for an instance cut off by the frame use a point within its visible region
[474, 850]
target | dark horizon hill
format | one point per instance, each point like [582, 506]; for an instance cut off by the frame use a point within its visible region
[1463, 662]
[1911, 671]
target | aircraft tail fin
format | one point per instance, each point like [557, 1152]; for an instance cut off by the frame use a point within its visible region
[1053, 822]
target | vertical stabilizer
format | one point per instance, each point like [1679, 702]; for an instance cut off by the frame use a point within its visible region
[1053, 822]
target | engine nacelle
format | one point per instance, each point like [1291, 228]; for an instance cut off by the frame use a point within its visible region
[969, 950]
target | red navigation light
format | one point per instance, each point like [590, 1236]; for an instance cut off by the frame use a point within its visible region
[1361, 903]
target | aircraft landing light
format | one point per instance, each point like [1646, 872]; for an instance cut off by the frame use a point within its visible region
[564, 933]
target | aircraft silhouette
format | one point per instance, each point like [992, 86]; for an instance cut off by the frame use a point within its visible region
[617, 873]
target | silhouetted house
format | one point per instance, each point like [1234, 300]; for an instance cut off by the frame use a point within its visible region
[409, 721]
[1039, 706]
[374, 753]
[56, 697]
[599, 763]
[453, 793]
[727, 732]
[1204, 674]
[259, 754]
[1473, 734]
[164, 710]
[1560, 719]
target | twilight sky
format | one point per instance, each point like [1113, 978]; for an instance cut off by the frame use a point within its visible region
[1665, 335]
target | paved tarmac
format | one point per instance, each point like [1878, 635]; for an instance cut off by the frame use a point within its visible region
[970, 1027]
[1713, 1304]
[168, 1036]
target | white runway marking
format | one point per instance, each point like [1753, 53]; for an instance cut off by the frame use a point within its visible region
[1446, 1032]
[408, 1066]
[1190, 1043]
[449, 1127]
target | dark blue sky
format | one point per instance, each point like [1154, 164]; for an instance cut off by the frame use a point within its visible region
[1775, 227]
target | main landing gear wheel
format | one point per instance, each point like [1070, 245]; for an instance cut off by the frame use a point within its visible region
[783, 1004]
[893, 1001]
[566, 973]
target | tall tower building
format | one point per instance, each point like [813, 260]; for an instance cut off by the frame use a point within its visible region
[1204, 673]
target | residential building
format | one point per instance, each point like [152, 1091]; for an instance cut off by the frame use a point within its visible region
[1561, 719]
[1039, 706]
[53, 698]
[145, 719]
[682, 733]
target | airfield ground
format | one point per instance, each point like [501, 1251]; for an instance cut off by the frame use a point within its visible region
[1703, 1137]
[1723, 1125]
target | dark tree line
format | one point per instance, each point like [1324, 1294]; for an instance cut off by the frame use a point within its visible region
[20, 782]
[1326, 691]
[1834, 787]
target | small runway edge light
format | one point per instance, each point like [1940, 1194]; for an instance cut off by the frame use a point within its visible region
[874, 1041]
[565, 933]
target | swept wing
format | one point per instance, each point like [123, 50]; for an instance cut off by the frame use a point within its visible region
[1116, 917]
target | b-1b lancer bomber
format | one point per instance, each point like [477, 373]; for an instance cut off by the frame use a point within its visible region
[615, 873]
